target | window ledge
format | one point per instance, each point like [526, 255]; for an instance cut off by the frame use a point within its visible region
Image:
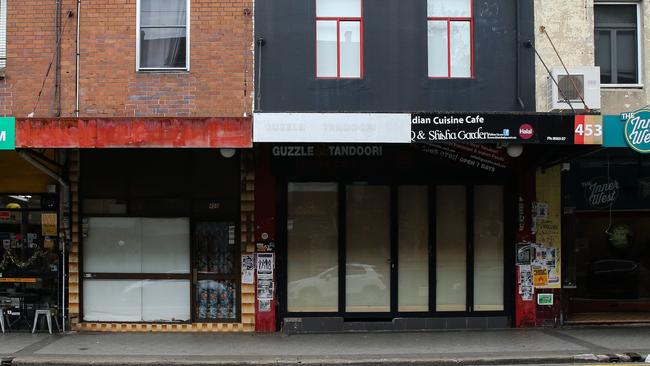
[620, 86]
[163, 71]
[2, 72]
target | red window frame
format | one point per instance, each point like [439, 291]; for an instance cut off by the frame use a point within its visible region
[469, 19]
[338, 43]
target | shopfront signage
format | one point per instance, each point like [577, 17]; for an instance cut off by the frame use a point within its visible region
[491, 128]
[588, 130]
[637, 130]
[545, 299]
[332, 127]
[7, 133]
[327, 150]
[601, 192]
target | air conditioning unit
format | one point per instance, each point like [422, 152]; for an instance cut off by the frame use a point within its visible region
[579, 81]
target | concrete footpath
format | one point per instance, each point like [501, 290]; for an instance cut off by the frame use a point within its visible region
[478, 347]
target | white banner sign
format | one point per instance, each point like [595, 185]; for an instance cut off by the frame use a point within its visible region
[332, 127]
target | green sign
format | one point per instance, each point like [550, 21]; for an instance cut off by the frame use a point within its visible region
[544, 299]
[7, 133]
[637, 131]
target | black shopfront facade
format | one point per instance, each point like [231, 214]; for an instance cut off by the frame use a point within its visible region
[390, 236]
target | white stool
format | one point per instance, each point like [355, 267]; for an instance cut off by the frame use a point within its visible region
[48, 316]
[2, 319]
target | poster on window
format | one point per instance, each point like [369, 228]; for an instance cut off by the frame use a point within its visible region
[247, 269]
[48, 224]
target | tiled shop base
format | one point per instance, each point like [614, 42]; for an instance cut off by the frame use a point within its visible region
[609, 318]
[138, 327]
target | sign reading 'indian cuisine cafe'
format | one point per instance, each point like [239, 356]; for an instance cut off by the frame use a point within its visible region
[637, 130]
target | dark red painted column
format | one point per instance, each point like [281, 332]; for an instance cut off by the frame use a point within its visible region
[265, 228]
[525, 311]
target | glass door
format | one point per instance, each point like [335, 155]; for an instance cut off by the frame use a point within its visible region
[216, 272]
[368, 249]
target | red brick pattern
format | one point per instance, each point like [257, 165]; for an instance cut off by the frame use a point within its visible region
[219, 83]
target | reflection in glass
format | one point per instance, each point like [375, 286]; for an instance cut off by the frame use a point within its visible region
[437, 48]
[163, 33]
[215, 243]
[367, 279]
[460, 49]
[451, 248]
[350, 43]
[603, 51]
[312, 247]
[413, 275]
[326, 63]
[488, 248]
[449, 8]
[338, 8]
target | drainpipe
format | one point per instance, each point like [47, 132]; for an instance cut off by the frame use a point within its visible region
[66, 195]
[76, 98]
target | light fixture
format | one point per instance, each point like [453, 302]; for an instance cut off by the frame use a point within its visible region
[515, 150]
[227, 153]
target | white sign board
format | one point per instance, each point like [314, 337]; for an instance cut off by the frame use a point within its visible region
[332, 127]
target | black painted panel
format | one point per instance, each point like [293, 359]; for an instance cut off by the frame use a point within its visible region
[395, 61]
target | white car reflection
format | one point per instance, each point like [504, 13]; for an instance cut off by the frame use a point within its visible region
[361, 279]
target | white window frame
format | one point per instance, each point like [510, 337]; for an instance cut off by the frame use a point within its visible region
[639, 47]
[3, 34]
[187, 42]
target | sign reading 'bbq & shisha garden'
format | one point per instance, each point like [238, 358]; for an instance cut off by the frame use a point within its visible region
[637, 130]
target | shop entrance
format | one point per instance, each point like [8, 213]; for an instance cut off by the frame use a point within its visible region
[607, 242]
[360, 250]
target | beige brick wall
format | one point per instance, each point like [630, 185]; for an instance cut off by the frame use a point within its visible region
[570, 25]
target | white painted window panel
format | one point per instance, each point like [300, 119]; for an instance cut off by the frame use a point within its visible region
[449, 8]
[437, 48]
[113, 245]
[338, 8]
[166, 245]
[350, 45]
[112, 300]
[461, 59]
[165, 301]
[326, 63]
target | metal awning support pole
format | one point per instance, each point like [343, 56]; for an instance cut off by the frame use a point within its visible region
[66, 194]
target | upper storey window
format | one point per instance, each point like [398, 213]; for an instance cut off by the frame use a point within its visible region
[163, 35]
[617, 42]
[339, 39]
[450, 38]
[3, 34]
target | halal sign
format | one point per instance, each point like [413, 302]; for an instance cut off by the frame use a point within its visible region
[637, 131]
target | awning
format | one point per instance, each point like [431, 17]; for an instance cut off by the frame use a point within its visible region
[212, 132]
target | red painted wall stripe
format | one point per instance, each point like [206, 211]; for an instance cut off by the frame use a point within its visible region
[230, 132]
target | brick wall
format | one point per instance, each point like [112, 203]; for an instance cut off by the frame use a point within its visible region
[219, 82]
[30, 47]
